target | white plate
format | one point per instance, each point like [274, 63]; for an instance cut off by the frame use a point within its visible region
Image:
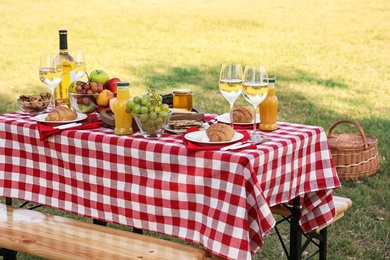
[201, 137]
[176, 131]
[41, 118]
[225, 118]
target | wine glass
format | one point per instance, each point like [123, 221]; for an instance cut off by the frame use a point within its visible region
[79, 60]
[255, 90]
[50, 73]
[230, 84]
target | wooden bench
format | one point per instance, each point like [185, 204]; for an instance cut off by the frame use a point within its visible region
[55, 237]
[286, 211]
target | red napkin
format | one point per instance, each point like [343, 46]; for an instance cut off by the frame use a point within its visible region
[46, 130]
[203, 147]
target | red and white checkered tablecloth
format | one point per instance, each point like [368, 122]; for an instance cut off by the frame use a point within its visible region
[216, 199]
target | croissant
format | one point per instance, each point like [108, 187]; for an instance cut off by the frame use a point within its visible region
[243, 115]
[220, 133]
[61, 113]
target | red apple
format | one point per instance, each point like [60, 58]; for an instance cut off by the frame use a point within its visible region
[111, 84]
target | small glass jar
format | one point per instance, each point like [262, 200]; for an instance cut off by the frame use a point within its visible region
[182, 99]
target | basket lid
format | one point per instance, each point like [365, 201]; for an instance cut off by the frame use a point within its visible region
[350, 141]
[347, 141]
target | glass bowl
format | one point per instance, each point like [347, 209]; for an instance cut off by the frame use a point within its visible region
[152, 126]
[83, 103]
[34, 103]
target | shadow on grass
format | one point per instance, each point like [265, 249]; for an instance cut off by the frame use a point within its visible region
[302, 76]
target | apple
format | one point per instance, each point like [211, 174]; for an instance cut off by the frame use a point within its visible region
[111, 84]
[72, 87]
[99, 76]
[104, 97]
[87, 108]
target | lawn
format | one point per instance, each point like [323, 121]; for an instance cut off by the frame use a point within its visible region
[331, 59]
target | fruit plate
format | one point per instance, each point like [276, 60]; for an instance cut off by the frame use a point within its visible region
[42, 118]
[201, 138]
[225, 118]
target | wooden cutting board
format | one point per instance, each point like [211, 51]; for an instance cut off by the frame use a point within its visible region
[108, 117]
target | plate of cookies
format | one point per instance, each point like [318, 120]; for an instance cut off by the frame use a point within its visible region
[182, 126]
[241, 116]
[215, 134]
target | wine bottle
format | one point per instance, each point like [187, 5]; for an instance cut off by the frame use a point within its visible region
[68, 68]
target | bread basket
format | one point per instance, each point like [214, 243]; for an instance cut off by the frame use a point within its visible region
[354, 155]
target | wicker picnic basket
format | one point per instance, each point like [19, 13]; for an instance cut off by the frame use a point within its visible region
[354, 155]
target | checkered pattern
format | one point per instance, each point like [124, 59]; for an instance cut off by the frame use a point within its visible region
[217, 199]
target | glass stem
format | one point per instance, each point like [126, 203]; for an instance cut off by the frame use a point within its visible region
[231, 114]
[53, 102]
[254, 120]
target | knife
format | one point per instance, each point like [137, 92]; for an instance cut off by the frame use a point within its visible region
[74, 124]
[239, 145]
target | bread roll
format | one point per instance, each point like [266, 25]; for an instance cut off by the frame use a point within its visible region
[61, 113]
[243, 115]
[220, 133]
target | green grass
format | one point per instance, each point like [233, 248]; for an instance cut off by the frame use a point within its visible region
[331, 59]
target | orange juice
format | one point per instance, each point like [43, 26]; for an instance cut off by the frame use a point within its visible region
[123, 120]
[269, 109]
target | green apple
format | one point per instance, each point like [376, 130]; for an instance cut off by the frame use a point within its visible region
[72, 87]
[99, 76]
[87, 108]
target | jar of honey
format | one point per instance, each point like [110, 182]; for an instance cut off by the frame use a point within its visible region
[182, 98]
[269, 109]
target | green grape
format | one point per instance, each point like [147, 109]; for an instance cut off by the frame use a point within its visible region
[128, 110]
[165, 107]
[144, 110]
[158, 122]
[137, 99]
[143, 118]
[153, 115]
[151, 108]
[130, 104]
[144, 100]
[136, 108]
[157, 110]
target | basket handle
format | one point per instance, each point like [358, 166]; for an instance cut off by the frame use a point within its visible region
[351, 122]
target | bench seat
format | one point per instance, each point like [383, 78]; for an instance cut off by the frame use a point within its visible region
[55, 237]
[341, 205]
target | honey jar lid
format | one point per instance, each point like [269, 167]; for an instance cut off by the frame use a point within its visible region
[182, 90]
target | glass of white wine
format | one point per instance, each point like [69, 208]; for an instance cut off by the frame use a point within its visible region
[255, 90]
[230, 84]
[79, 60]
[50, 73]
